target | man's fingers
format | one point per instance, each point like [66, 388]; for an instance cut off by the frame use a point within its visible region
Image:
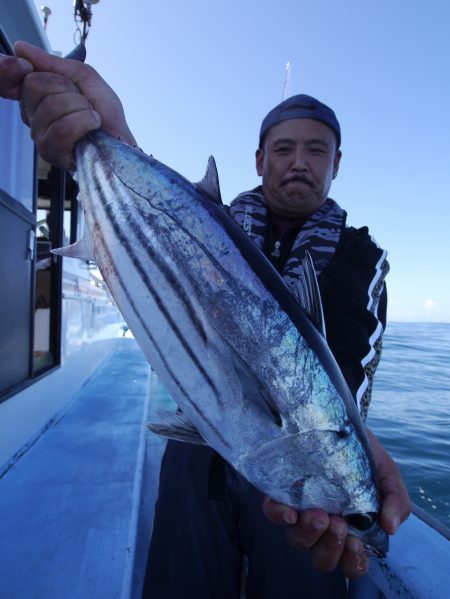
[40, 86]
[326, 536]
[354, 561]
[58, 115]
[279, 513]
[86, 80]
[327, 552]
[396, 505]
[12, 74]
[62, 133]
[84, 77]
[395, 509]
[51, 109]
[25, 65]
[304, 530]
[309, 529]
[48, 62]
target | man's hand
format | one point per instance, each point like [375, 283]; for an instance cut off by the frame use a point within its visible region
[12, 73]
[327, 536]
[62, 100]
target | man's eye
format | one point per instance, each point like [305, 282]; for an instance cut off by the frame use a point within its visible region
[317, 150]
[282, 150]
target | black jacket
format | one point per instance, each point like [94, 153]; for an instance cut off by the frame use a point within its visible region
[354, 299]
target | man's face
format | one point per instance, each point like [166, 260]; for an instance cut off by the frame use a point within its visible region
[298, 162]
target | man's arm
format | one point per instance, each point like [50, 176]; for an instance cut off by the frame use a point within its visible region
[61, 101]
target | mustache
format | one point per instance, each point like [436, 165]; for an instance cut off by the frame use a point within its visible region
[298, 178]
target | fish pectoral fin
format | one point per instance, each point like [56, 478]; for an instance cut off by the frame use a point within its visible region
[175, 425]
[252, 390]
[82, 249]
[210, 182]
[306, 290]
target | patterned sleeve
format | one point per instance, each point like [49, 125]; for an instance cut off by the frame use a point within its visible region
[354, 302]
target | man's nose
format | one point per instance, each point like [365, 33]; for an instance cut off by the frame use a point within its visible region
[299, 160]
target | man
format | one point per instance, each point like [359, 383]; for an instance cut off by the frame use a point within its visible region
[207, 516]
[220, 520]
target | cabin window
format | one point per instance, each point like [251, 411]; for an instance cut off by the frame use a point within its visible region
[56, 226]
[17, 224]
[47, 271]
[38, 212]
[16, 177]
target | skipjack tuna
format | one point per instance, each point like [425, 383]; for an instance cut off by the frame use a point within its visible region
[251, 372]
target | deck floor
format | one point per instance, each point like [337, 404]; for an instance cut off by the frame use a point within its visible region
[77, 507]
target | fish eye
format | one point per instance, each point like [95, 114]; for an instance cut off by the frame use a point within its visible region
[344, 431]
[361, 522]
[278, 420]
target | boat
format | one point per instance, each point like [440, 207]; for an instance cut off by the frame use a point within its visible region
[78, 467]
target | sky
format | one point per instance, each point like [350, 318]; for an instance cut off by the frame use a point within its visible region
[196, 78]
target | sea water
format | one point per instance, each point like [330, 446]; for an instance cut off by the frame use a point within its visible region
[410, 410]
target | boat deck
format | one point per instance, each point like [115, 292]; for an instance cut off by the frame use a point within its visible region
[77, 505]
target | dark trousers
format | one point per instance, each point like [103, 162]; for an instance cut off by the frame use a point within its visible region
[198, 544]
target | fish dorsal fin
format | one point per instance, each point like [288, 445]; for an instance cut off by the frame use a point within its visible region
[175, 425]
[210, 182]
[82, 249]
[306, 290]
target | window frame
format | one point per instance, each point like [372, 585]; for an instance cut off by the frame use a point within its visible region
[60, 192]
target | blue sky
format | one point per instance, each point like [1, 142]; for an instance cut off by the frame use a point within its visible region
[196, 78]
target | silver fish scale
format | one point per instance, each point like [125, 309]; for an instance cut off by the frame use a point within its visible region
[216, 336]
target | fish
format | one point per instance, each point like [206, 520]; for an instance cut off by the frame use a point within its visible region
[247, 365]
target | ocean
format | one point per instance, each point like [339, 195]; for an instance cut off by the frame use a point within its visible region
[410, 410]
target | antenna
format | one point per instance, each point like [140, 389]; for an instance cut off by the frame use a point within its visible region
[287, 82]
[83, 14]
[45, 10]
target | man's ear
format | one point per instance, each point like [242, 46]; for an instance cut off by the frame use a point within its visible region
[259, 161]
[337, 160]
